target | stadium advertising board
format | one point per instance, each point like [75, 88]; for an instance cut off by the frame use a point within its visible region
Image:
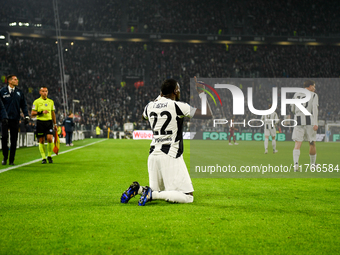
[142, 134]
[247, 114]
[246, 136]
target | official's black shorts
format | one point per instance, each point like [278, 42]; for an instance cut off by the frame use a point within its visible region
[44, 128]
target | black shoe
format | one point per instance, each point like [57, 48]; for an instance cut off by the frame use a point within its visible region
[43, 161]
[11, 163]
[49, 159]
[4, 162]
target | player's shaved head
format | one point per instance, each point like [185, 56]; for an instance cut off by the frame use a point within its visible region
[168, 86]
[43, 87]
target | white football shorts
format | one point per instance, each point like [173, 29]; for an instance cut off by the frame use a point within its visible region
[270, 132]
[304, 133]
[168, 174]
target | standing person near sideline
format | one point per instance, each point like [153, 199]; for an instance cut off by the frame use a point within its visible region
[232, 129]
[169, 179]
[97, 131]
[69, 124]
[306, 127]
[43, 108]
[13, 100]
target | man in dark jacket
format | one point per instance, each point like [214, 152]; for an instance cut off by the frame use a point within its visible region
[13, 100]
[3, 113]
[69, 124]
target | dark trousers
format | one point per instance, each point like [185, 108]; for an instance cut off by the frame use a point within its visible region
[13, 126]
[69, 137]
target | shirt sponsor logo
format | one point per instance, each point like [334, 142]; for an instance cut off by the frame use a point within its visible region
[159, 140]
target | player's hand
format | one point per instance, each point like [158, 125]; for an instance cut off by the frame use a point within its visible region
[44, 112]
[27, 119]
[315, 128]
[199, 85]
[4, 121]
[55, 127]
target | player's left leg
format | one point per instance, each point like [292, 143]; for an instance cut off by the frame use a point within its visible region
[42, 149]
[296, 155]
[71, 133]
[266, 138]
[67, 138]
[235, 140]
[274, 145]
[172, 196]
[14, 129]
[49, 148]
[312, 154]
[298, 137]
[177, 183]
[4, 142]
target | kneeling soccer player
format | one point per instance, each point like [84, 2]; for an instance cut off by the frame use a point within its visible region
[169, 179]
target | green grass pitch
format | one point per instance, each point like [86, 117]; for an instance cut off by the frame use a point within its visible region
[73, 205]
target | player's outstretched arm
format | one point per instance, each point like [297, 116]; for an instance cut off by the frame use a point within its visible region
[198, 113]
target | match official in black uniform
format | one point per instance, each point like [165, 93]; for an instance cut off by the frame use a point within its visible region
[13, 100]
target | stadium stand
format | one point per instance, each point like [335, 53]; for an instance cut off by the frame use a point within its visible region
[95, 69]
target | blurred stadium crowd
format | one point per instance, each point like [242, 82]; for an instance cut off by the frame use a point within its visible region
[95, 69]
[255, 17]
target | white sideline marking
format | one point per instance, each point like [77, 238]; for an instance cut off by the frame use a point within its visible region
[37, 160]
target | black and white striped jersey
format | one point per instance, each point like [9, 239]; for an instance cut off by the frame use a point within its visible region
[270, 120]
[166, 120]
[312, 106]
